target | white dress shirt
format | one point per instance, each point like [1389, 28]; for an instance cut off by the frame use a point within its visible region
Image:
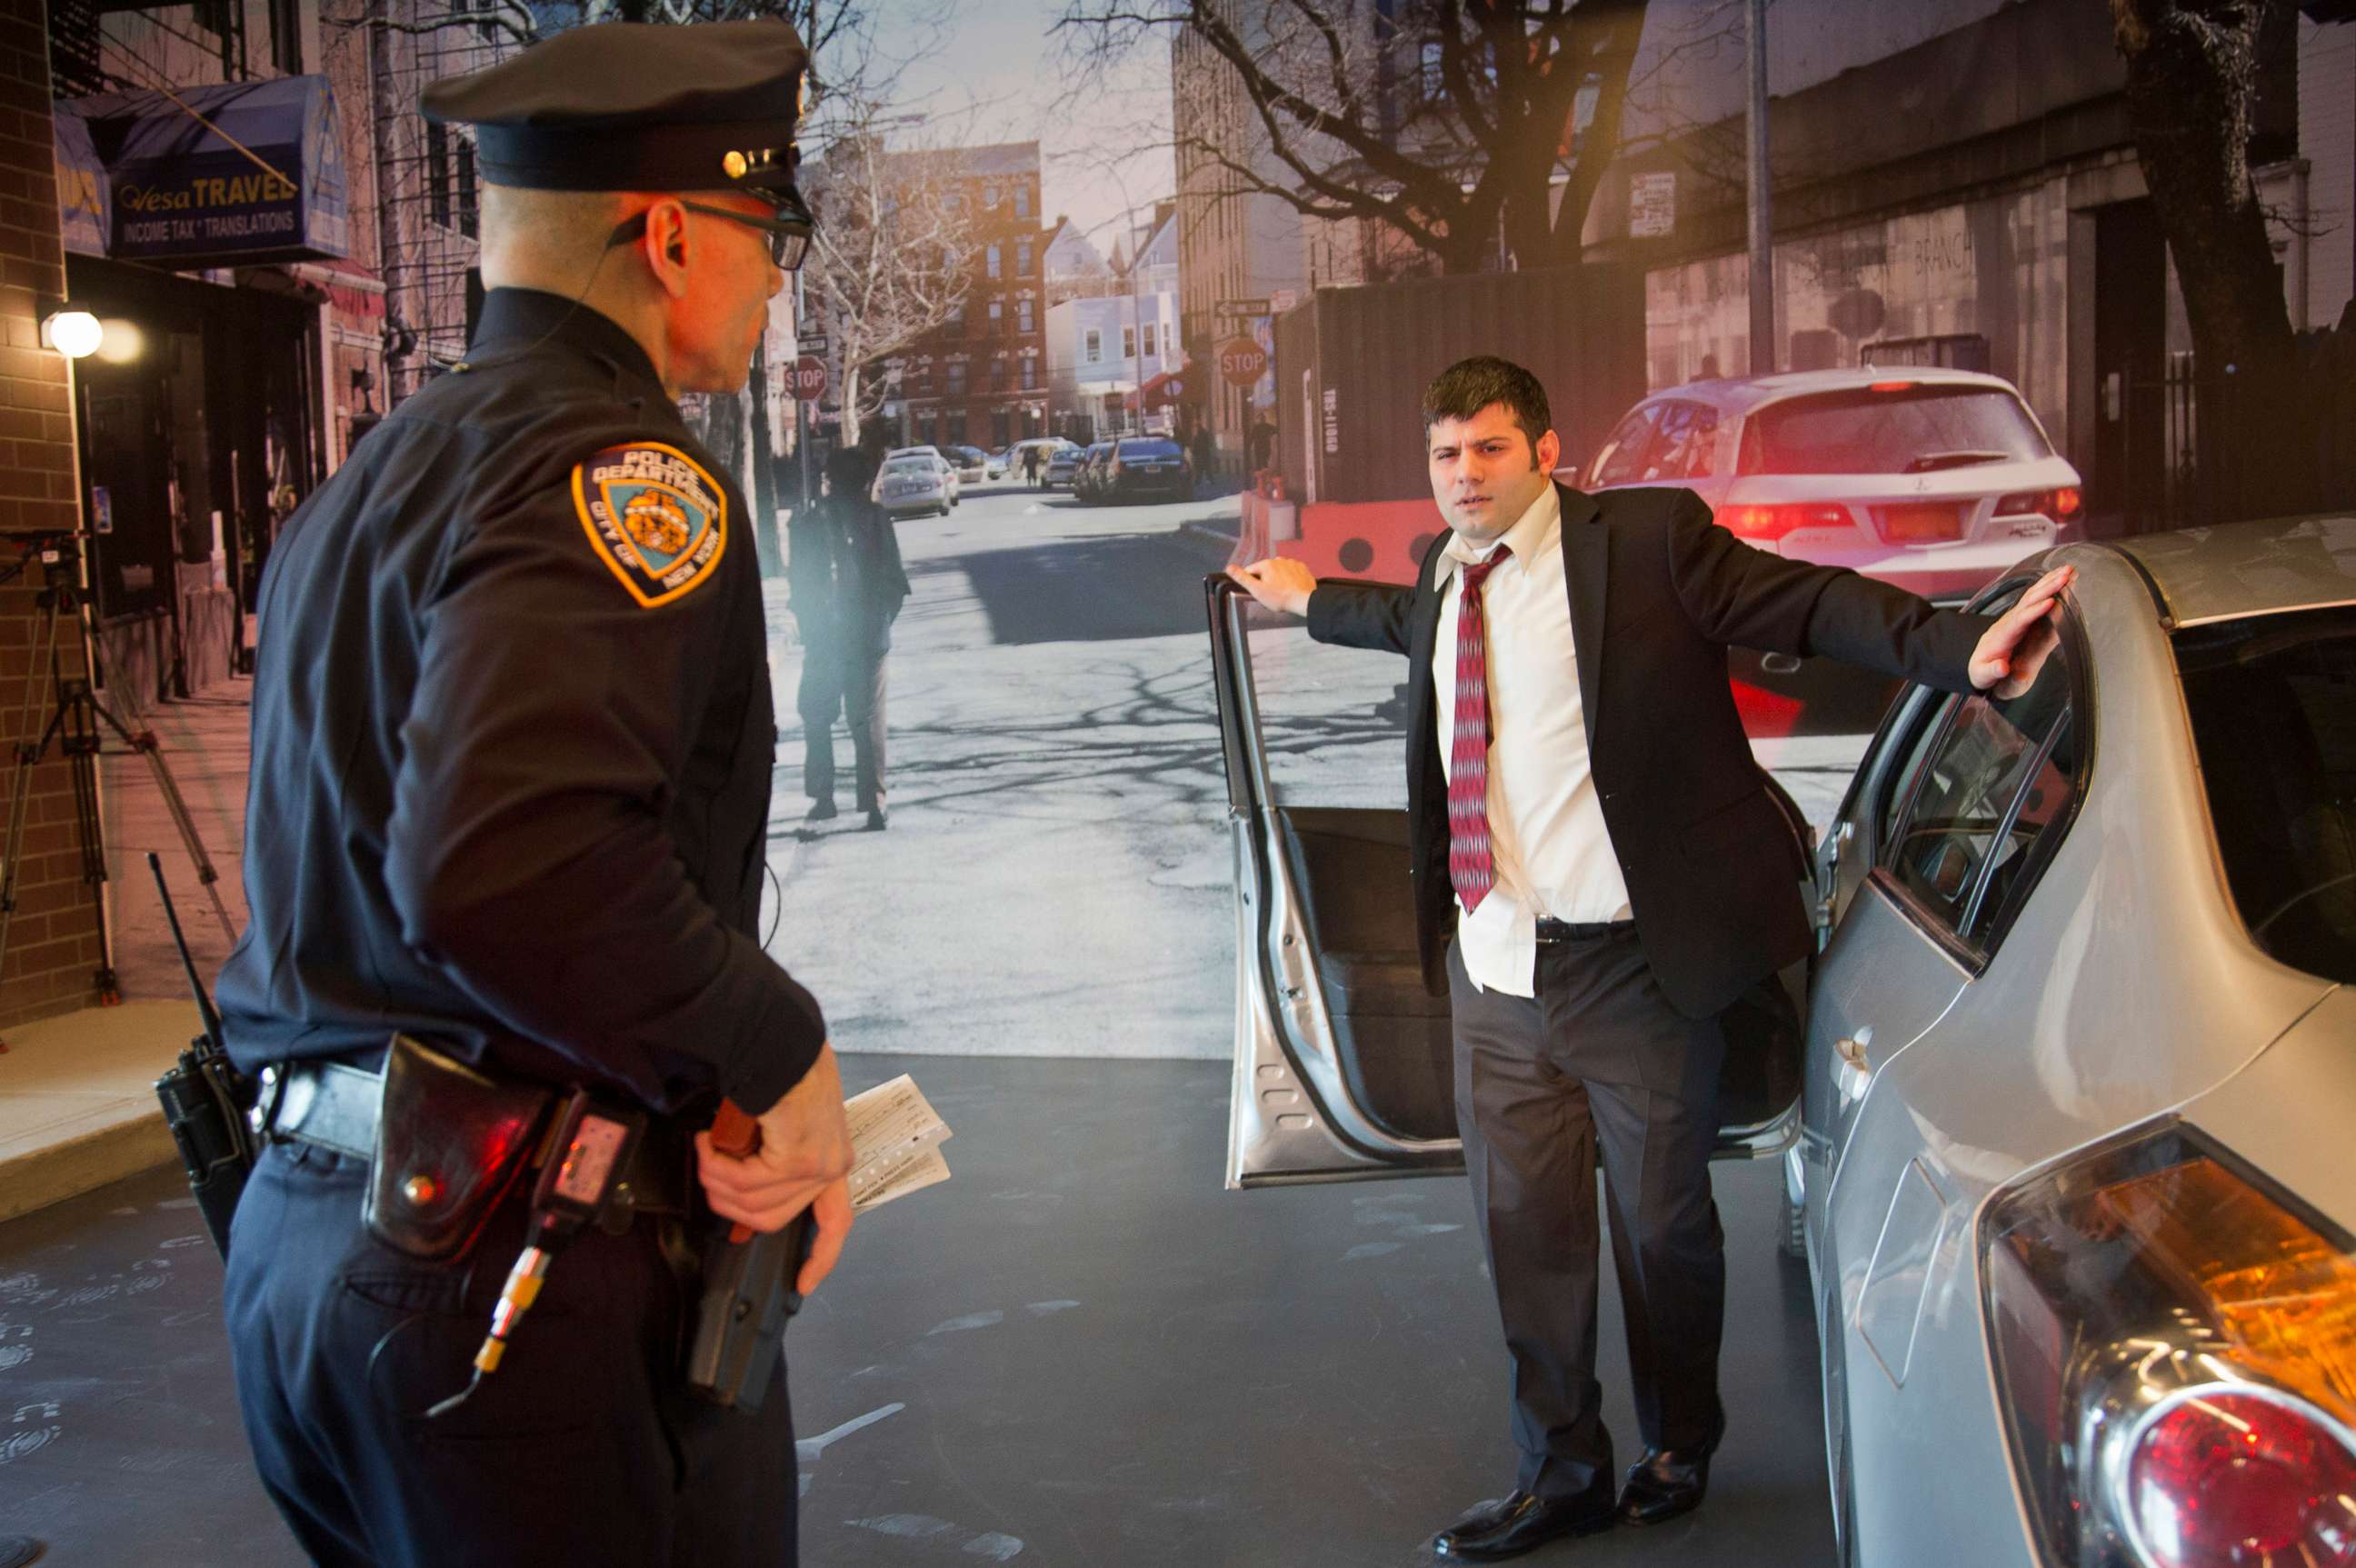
[1552, 852]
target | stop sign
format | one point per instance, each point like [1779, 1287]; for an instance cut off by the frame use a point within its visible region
[1242, 361]
[809, 378]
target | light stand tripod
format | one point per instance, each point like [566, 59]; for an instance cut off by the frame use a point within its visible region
[73, 728]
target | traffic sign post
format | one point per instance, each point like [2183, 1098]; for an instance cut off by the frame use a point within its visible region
[809, 378]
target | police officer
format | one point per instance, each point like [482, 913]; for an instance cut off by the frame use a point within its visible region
[512, 745]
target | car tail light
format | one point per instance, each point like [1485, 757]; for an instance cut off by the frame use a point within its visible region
[1775, 521]
[2234, 1479]
[2061, 505]
[1890, 386]
[2175, 1350]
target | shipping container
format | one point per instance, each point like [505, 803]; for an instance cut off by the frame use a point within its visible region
[1352, 364]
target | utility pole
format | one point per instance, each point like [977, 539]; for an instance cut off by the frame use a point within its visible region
[801, 407]
[1763, 226]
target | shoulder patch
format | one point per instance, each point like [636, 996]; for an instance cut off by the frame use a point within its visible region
[654, 516]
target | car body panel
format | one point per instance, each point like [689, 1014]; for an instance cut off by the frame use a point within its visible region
[2126, 988]
[2218, 573]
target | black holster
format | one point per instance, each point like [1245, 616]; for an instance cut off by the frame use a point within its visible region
[740, 1322]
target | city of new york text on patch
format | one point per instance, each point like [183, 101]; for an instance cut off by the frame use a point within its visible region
[654, 516]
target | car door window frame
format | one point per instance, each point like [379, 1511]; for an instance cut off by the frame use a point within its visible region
[1956, 937]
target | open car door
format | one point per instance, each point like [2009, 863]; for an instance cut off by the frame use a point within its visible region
[1344, 1063]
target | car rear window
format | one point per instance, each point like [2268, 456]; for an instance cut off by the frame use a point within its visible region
[1150, 449]
[919, 468]
[2273, 700]
[1911, 432]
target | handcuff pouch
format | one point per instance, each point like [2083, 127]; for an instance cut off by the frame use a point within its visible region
[450, 1143]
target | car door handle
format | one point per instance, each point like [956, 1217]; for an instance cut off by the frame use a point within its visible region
[1851, 1048]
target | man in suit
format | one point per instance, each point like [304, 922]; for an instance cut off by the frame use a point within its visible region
[1600, 872]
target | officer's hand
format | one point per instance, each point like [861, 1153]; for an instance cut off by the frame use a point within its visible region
[805, 1154]
[1279, 584]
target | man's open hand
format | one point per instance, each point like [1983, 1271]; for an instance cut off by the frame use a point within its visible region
[1279, 584]
[2013, 650]
[804, 1157]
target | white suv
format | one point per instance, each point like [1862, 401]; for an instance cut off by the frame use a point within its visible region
[1932, 480]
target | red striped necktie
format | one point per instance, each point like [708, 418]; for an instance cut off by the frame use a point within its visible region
[1471, 868]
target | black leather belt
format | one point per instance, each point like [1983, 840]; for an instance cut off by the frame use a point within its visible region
[1553, 930]
[332, 1105]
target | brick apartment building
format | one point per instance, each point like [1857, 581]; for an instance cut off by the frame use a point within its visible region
[981, 379]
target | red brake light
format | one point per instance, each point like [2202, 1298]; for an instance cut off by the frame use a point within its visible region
[1775, 521]
[1890, 386]
[2060, 505]
[2226, 1478]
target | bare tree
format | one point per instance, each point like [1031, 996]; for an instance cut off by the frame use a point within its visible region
[892, 261]
[1451, 121]
[2193, 68]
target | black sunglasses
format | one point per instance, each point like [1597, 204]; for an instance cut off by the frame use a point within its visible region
[789, 232]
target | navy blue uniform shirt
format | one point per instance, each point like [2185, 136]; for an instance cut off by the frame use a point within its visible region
[512, 741]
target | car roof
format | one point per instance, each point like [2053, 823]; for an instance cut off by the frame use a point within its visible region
[1741, 394]
[2202, 574]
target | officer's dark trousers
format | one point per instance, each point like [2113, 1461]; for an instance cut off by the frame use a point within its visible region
[582, 1449]
[850, 684]
[1596, 1059]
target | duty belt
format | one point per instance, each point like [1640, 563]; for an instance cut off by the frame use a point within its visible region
[333, 1105]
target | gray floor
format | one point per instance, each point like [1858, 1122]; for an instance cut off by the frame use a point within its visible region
[1079, 1351]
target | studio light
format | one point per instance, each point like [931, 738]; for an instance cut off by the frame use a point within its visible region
[73, 332]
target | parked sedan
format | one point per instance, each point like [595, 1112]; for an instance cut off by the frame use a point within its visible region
[1147, 467]
[940, 460]
[2073, 1177]
[1087, 479]
[1062, 464]
[971, 463]
[1934, 479]
[906, 486]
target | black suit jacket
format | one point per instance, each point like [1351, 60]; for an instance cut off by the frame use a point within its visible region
[1657, 593]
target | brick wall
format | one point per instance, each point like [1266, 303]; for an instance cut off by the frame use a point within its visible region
[52, 951]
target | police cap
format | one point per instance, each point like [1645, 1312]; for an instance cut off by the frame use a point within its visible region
[632, 106]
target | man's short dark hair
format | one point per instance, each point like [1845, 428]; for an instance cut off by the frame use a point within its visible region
[1468, 386]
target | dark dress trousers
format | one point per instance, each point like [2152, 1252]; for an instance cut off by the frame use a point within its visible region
[1617, 1056]
[510, 796]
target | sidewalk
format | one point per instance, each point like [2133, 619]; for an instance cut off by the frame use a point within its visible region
[77, 1099]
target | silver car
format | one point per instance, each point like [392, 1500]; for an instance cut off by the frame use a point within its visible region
[2073, 1177]
[1934, 479]
[906, 486]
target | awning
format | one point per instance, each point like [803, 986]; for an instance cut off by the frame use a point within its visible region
[1179, 386]
[181, 188]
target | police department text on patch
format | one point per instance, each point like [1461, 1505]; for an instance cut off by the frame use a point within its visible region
[655, 517]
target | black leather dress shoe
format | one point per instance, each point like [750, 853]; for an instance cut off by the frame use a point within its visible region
[1664, 1484]
[1507, 1526]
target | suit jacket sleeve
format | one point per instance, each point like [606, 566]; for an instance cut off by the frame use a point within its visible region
[1742, 596]
[1361, 615]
